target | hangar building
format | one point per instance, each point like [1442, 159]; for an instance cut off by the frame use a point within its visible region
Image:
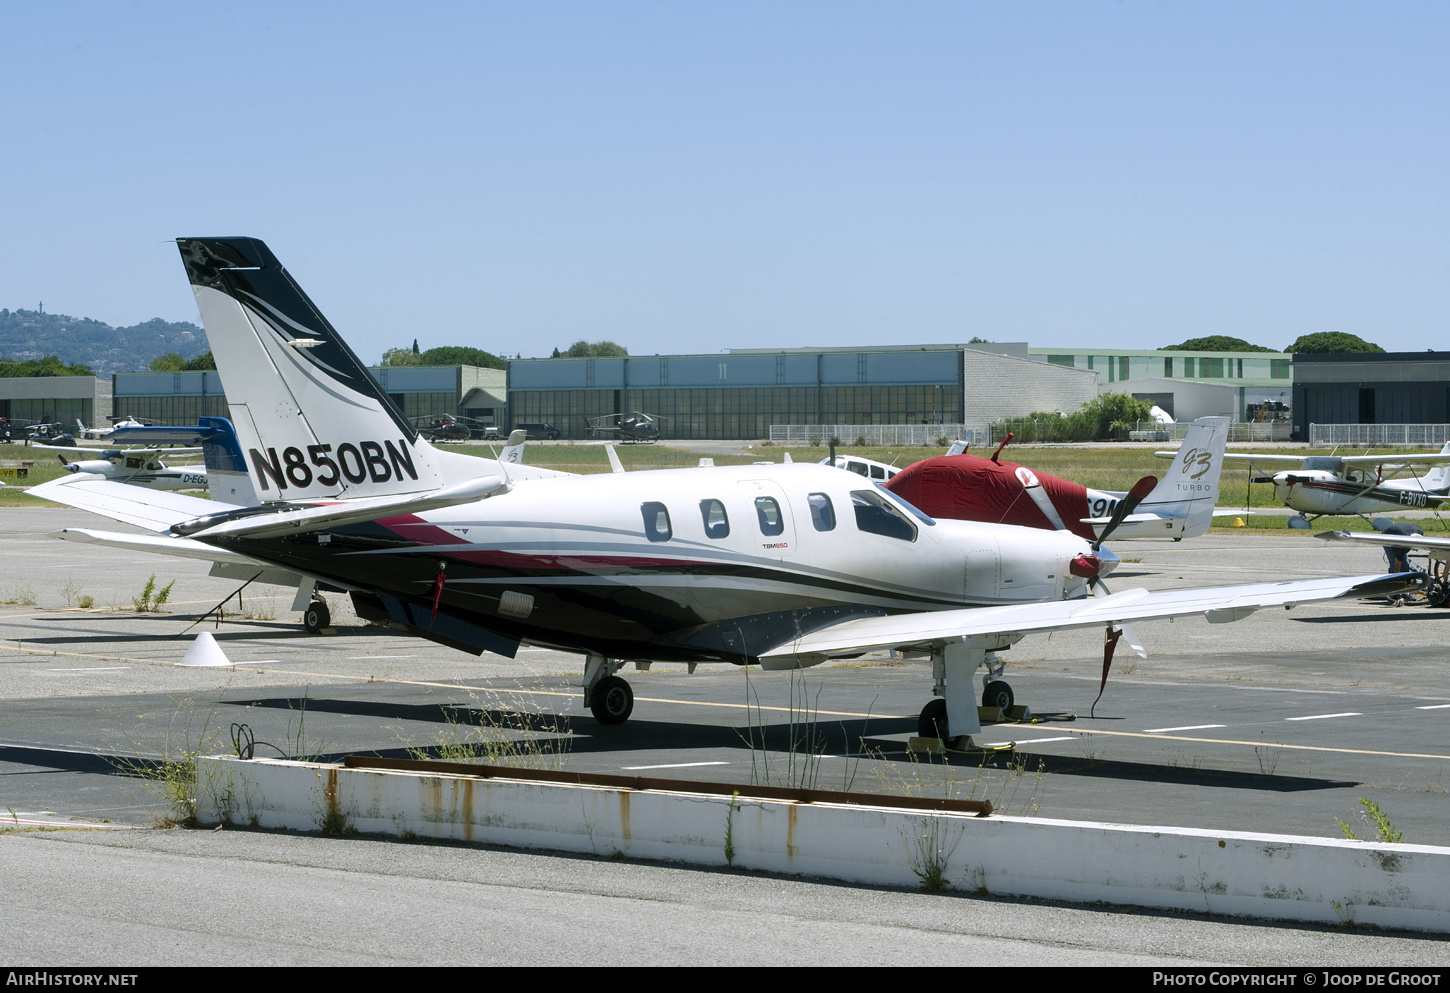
[181, 397]
[1370, 388]
[740, 393]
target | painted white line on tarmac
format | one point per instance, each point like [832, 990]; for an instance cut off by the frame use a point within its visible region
[1190, 727]
[366, 658]
[1026, 741]
[672, 765]
[99, 668]
[1438, 706]
[1322, 717]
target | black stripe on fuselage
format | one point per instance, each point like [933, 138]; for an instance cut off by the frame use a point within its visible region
[627, 610]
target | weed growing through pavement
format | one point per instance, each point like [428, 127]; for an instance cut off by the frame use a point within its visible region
[800, 767]
[166, 768]
[492, 733]
[930, 843]
[151, 599]
[1377, 818]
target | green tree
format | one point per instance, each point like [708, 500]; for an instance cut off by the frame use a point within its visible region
[462, 355]
[1332, 341]
[170, 362]
[594, 350]
[1215, 343]
[204, 362]
[400, 357]
[46, 366]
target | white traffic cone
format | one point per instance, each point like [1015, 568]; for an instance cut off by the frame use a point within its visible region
[205, 651]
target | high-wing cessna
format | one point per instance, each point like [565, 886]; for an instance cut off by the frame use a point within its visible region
[784, 565]
[1353, 484]
[136, 467]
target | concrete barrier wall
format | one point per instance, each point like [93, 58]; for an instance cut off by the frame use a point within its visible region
[1222, 872]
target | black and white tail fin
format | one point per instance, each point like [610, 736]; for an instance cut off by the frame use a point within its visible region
[310, 419]
[1189, 488]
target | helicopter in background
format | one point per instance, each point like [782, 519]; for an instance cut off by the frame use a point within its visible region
[633, 426]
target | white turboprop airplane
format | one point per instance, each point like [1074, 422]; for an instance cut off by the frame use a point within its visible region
[1351, 484]
[783, 566]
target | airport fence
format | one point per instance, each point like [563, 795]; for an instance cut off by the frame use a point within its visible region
[990, 434]
[1239, 431]
[874, 434]
[1377, 435]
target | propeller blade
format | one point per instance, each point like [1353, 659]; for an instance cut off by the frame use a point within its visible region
[1126, 506]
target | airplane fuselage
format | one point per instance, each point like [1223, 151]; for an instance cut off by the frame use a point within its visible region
[1318, 491]
[153, 475]
[718, 563]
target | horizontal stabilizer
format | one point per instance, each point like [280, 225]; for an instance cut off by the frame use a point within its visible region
[295, 519]
[154, 510]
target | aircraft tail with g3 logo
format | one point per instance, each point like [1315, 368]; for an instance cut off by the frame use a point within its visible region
[1189, 489]
[311, 420]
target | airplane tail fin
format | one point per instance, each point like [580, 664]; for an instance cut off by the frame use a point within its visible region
[227, 479]
[1437, 480]
[513, 451]
[1189, 488]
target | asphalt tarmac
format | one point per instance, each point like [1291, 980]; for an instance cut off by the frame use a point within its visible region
[1282, 722]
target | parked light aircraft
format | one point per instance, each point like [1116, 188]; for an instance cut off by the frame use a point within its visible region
[781, 565]
[964, 487]
[1352, 484]
[136, 467]
[972, 488]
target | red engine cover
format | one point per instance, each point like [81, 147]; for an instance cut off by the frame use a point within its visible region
[971, 488]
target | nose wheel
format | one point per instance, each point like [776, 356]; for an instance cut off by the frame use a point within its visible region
[998, 694]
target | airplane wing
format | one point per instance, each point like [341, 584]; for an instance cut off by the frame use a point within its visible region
[254, 522]
[154, 510]
[1401, 461]
[1009, 624]
[1438, 547]
[184, 548]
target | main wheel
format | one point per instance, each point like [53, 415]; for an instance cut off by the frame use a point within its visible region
[933, 720]
[612, 700]
[316, 617]
[998, 694]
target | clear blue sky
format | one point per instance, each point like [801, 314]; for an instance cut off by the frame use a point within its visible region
[690, 177]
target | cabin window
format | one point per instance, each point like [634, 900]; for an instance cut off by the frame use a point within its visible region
[717, 525]
[876, 515]
[656, 522]
[859, 468]
[768, 511]
[877, 472]
[823, 515]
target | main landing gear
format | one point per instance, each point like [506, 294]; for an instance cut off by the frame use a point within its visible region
[609, 697]
[951, 716]
[316, 616]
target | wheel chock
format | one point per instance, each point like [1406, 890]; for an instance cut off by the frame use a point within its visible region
[935, 746]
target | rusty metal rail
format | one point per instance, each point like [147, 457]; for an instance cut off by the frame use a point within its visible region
[981, 808]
